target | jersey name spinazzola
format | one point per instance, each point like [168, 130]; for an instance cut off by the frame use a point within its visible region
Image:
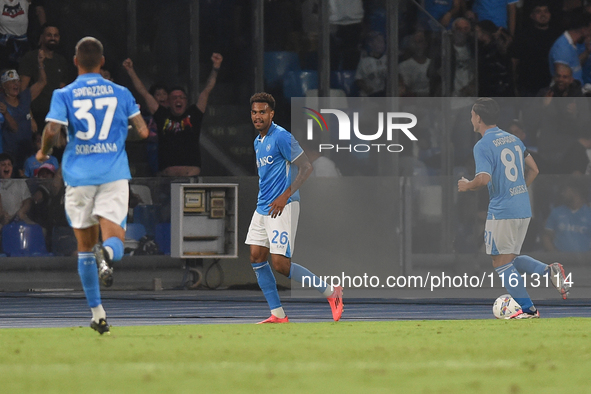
[502, 156]
[274, 154]
[96, 112]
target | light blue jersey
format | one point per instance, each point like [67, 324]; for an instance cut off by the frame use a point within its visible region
[501, 155]
[572, 229]
[274, 154]
[96, 113]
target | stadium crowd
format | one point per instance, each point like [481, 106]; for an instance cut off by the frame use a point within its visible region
[499, 48]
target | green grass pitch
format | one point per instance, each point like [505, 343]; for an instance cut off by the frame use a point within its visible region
[468, 356]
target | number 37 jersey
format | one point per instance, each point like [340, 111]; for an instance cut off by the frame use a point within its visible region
[96, 112]
[502, 156]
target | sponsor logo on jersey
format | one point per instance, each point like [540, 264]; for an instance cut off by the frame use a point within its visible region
[263, 161]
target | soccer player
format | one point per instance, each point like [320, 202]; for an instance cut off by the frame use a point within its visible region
[96, 113]
[503, 163]
[275, 220]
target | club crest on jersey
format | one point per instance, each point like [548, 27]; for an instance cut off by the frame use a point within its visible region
[268, 147]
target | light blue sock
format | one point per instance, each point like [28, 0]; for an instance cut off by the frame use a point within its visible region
[116, 246]
[529, 265]
[510, 277]
[304, 276]
[267, 283]
[89, 278]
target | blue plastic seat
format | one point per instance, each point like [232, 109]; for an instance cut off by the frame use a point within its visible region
[344, 80]
[22, 239]
[162, 237]
[297, 83]
[135, 231]
[277, 64]
[148, 215]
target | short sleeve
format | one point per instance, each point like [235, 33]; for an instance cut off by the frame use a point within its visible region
[289, 147]
[559, 54]
[58, 111]
[483, 159]
[132, 109]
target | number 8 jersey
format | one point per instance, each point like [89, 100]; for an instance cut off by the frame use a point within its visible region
[502, 155]
[96, 113]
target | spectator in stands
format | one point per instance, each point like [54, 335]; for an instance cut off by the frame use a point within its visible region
[444, 11]
[372, 69]
[4, 118]
[463, 63]
[345, 18]
[414, 70]
[576, 159]
[529, 52]
[502, 13]
[564, 49]
[568, 228]
[160, 92]
[32, 164]
[565, 85]
[49, 210]
[14, 21]
[494, 65]
[105, 73]
[15, 194]
[559, 117]
[56, 70]
[17, 141]
[518, 129]
[42, 195]
[179, 126]
[323, 166]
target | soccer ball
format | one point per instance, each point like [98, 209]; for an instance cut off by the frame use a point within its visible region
[505, 306]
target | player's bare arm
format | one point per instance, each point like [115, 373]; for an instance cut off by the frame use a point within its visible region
[138, 127]
[216, 59]
[304, 170]
[531, 170]
[477, 183]
[38, 86]
[48, 138]
[139, 86]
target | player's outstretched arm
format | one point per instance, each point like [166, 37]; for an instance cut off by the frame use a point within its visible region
[38, 86]
[139, 127]
[216, 59]
[479, 181]
[48, 138]
[531, 170]
[139, 86]
[304, 170]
